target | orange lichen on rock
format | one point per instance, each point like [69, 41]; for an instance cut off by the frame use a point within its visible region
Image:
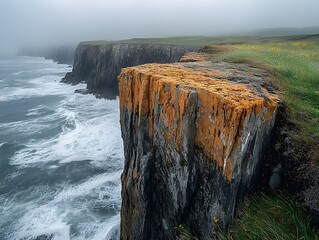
[195, 57]
[226, 114]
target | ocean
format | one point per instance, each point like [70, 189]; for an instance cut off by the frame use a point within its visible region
[61, 156]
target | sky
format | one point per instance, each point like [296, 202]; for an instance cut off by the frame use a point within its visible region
[49, 22]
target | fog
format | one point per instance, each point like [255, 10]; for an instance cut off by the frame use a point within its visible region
[48, 22]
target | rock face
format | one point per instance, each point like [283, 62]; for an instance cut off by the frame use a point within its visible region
[59, 54]
[99, 65]
[194, 135]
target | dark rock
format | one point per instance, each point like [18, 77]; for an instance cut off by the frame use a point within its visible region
[81, 91]
[299, 174]
[99, 65]
[193, 144]
[275, 179]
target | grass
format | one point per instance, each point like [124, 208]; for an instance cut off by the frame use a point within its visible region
[294, 62]
[271, 216]
[199, 41]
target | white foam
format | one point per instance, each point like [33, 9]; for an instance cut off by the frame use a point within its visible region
[89, 185]
[54, 70]
[35, 111]
[104, 230]
[42, 221]
[52, 218]
[47, 83]
[43, 86]
[1, 144]
[91, 131]
[18, 73]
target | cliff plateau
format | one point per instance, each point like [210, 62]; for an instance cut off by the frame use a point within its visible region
[99, 65]
[194, 136]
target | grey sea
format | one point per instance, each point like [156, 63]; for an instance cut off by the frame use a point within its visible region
[61, 156]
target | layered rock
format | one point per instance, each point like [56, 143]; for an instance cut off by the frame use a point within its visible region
[194, 135]
[99, 65]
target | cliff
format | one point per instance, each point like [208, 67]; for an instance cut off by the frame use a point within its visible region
[99, 65]
[194, 135]
[60, 54]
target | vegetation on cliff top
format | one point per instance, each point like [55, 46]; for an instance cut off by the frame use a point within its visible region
[294, 63]
[184, 41]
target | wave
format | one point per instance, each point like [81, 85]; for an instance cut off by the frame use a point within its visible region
[35, 111]
[18, 73]
[71, 207]
[63, 179]
[48, 85]
[91, 184]
[90, 131]
[55, 69]
[44, 89]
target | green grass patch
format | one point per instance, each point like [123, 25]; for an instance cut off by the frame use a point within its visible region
[295, 67]
[199, 41]
[271, 216]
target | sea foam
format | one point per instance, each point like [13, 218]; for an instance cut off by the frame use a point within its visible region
[67, 160]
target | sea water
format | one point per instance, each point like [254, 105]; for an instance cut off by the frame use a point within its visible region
[61, 156]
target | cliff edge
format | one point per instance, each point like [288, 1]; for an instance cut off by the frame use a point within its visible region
[99, 65]
[194, 136]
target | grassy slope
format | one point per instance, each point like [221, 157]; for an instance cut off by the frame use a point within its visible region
[294, 61]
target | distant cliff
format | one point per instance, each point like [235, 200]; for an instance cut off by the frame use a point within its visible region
[61, 54]
[100, 65]
[194, 136]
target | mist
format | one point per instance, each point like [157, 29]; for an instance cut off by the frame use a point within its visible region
[57, 22]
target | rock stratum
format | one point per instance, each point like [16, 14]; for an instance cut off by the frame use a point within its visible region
[194, 136]
[98, 65]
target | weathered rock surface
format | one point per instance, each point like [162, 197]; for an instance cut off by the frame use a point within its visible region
[194, 135]
[99, 65]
